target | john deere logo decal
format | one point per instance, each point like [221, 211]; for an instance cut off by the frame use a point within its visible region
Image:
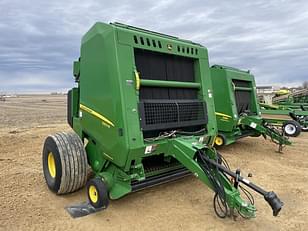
[169, 47]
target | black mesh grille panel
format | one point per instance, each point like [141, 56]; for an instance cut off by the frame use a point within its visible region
[171, 114]
[159, 66]
[160, 113]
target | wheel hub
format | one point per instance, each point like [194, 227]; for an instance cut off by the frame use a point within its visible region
[93, 194]
[290, 129]
[51, 165]
[218, 141]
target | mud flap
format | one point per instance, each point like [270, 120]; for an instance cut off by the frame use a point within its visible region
[81, 209]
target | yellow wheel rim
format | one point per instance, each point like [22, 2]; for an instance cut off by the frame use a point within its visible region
[93, 194]
[51, 165]
[219, 141]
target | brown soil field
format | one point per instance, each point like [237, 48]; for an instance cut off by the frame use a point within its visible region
[27, 204]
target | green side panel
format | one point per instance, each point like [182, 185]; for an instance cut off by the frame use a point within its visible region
[224, 101]
[95, 158]
[77, 127]
[102, 93]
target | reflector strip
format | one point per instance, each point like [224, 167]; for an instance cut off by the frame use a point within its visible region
[96, 114]
[223, 115]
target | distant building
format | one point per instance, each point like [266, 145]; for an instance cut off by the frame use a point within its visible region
[266, 93]
[266, 89]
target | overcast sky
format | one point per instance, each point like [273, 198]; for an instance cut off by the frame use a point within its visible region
[40, 39]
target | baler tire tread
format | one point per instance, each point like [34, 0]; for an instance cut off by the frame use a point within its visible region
[77, 175]
[73, 161]
[82, 158]
[67, 163]
[65, 169]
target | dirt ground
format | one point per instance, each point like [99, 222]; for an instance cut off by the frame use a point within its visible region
[27, 204]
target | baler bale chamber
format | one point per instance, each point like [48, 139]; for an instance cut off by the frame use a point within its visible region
[144, 86]
[142, 114]
[237, 109]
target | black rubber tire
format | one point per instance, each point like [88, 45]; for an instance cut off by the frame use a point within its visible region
[224, 139]
[295, 125]
[70, 162]
[305, 129]
[101, 192]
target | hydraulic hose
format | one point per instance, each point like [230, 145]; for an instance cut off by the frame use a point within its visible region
[271, 197]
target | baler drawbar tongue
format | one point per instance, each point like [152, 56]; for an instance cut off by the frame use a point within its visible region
[211, 168]
[266, 130]
[271, 197]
